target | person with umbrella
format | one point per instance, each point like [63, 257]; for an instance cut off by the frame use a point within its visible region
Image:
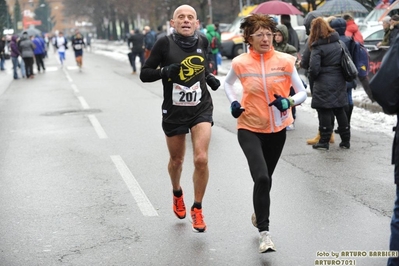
[264, 111]
[26, 47]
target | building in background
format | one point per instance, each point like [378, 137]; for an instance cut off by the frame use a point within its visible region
[59, 21]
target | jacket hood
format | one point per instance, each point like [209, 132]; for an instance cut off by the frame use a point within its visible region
[339, 25]
[210, 28]
[14, 38]
[284, 31]
[309, 18]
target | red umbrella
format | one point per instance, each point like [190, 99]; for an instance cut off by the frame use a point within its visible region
[276, 7]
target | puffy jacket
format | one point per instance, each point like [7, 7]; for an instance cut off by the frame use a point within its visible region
[14, 47]
[262, 76]
[352, 30]
[26, 47]
[40, 45]
[329, 85]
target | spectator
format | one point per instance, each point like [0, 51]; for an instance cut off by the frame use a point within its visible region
[394, 28]
[2, 48]
[26, 47]
[14, 55]
[210, 33]
[387, 31]
[135, 43]
[329, 95]
[40, 52]
[292, 34]
[280, 43]
[352, 30]
[339, 25]
[161, 32]
[149, 41]
[305, 64]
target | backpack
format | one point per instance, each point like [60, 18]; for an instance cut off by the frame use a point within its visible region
[214, 42]
[360, 57]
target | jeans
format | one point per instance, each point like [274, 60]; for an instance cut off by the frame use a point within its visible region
[15, 64]
[22, 67]
[2, 62]
[394, 242]
[62, 57]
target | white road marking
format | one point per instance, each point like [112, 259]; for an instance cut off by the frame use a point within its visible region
[83, 102]
[75, 88]
[140, 197]
[97, 127]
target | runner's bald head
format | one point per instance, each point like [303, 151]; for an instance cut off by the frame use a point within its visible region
[184, 7]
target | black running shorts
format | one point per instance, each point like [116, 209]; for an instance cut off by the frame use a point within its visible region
[179, 129]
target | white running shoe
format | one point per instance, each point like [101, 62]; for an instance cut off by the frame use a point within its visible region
[265, 242]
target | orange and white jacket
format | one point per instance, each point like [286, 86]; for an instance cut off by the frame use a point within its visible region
[262, 76]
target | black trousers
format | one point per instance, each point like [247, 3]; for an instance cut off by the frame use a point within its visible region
[262, 152]
[133, 59]
[326, 117]
[28, 66]
[39, 61]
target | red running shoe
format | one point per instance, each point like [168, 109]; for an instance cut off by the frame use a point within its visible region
[178, 207]
[199, 225]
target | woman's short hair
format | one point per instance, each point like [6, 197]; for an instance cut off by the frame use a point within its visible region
[253, 22]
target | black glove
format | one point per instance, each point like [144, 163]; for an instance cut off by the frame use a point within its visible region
[236, 109]
[282, 103]
[170, 71]
[213, 82]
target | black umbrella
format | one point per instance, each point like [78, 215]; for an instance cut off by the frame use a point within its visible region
[335, 7]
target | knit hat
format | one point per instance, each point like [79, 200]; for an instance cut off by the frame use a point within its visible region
[386, 19]
[395, 17]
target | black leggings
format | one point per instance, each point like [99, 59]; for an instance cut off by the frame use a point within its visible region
[262, 152]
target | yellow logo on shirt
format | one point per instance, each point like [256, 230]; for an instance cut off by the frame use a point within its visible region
[191, 67]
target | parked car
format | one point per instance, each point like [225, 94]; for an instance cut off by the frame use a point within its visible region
[372, 36]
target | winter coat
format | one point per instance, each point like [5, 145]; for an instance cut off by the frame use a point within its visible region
[149, 40]
[284, 46]
[352, 30]
[137, 41]
[329, 85]
[26, 47]
[292, 36]
[210, 33]
[40, 46]
[14, 47]
[394, 33]
[339, 25]
[385, 41]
